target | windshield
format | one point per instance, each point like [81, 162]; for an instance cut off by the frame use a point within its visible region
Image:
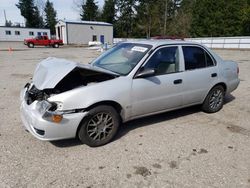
[122, 58]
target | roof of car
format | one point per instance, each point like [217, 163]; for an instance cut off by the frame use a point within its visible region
[156, 43]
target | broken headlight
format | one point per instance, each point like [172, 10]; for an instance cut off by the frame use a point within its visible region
[51, 111]
[43, 106]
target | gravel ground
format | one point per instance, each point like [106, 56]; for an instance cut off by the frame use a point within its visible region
[184, 148]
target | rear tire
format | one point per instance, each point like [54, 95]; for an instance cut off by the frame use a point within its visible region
[214, 100]
[100, 126]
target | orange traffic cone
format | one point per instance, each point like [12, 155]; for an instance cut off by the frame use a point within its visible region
[10, 49]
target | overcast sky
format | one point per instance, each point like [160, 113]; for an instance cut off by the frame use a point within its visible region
[65, 9]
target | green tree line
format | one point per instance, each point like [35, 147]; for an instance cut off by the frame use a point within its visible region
[185, 18]
[33, 17]
[148, 18]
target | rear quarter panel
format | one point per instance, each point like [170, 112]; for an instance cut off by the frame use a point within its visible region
[229, 74]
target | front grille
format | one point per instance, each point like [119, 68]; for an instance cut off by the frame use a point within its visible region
[39, 131]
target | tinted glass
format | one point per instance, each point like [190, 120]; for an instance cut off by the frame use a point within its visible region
[164, 60]
[209, 60]
[194, 57]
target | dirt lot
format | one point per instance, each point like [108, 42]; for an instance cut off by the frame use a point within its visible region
[185, 148]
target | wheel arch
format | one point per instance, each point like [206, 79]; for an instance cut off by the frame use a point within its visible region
[218, 84]
[221, 84]
[114, 104]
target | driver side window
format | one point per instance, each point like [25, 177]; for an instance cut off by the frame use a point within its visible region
[164, 61]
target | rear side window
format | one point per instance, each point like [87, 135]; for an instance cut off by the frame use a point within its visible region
[196, 58]
[209, 60]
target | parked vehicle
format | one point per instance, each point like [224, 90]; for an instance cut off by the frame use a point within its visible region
[132, 80]
[42, 41]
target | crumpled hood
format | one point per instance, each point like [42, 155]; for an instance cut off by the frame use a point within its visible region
[51, 71]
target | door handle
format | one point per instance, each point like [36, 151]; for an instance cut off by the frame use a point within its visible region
[179, 81]
[214, 75]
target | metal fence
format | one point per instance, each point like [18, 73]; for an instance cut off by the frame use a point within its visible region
[211, 42]
[223, 42]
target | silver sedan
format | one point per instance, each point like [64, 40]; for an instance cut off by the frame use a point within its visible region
[132, 80]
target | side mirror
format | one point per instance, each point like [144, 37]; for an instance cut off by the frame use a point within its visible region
[145, 73]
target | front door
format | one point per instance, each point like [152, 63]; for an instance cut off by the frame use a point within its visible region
[162, 91]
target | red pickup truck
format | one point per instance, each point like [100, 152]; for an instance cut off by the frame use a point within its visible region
[42, 41]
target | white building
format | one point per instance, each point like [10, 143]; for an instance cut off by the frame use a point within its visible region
[20, 33]
[81, 32]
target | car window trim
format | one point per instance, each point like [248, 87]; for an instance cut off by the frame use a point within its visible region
[199, 46]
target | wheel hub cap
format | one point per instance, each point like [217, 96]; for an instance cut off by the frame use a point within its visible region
[100, 126]
[216, 99]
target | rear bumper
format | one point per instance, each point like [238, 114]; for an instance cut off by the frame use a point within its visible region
[46, 130]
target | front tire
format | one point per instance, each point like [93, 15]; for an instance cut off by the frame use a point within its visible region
[214, 100]
[56, 45]
[100, 126]
[30, 45]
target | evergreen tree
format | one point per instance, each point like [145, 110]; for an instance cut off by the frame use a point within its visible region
[50, 17]
[8, 23]
[126, 20]
[109, 12]
[181, 22]
[89, 11]
[38, 19]
[30, 12]
[246, 19]
[218, 18]
[156, 17]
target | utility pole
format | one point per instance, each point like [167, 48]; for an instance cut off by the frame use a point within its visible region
[5, 16]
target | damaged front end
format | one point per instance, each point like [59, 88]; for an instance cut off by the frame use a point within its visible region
[40, 115]
[54, 76]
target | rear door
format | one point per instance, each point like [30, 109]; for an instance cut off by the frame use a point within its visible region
[200, 74]
[162, 91]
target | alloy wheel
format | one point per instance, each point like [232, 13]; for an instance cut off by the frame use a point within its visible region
[100, 126]
[216, 99]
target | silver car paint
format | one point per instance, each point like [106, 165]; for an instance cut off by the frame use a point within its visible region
[31, 119]
[47, 73]
[140, 97]
[51, 70]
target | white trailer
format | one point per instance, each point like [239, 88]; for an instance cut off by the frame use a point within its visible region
[21, 33]
[82, 32]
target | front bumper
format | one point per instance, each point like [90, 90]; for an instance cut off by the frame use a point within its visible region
[47, 130]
